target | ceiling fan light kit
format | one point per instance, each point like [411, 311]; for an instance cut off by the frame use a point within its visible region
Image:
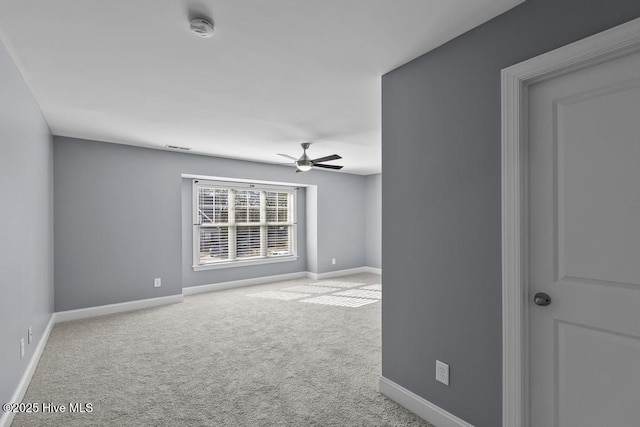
[304, 163]
[304, 166]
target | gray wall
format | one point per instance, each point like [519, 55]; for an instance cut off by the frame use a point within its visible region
[119, 223]
[312, 228]
[441, 201]
[26, 224]
[373, 221]
[340, 211]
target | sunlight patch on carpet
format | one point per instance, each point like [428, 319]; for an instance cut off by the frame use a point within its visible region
[360, 293]
[286, 296]
[337, 284]
[310, 289]
[339, 301]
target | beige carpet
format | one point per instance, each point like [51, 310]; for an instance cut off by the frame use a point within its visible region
[221, 359]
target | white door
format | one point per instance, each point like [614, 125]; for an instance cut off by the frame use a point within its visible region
[584, 247]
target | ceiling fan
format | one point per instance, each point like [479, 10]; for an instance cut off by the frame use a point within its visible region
[304, 163]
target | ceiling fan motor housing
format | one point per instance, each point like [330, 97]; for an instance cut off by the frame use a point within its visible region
[304, 163]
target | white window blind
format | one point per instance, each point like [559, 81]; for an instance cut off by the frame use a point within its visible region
[237, 223]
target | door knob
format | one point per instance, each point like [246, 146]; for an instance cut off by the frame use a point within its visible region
[541, 299]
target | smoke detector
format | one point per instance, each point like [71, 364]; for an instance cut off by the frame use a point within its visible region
[203, 27]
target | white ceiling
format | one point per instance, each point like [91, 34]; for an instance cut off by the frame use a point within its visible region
[276, 72]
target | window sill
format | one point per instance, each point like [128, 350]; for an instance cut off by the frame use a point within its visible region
[246, 262]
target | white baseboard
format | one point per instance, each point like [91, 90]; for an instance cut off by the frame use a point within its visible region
[191, 290]
[419, 406]
[373, 270]
[241, 283]
[338, 273]
[7, 417]
[101, 310]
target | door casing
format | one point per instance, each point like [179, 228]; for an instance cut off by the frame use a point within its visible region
[610, 44]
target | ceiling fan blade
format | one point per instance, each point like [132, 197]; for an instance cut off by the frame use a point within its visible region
[326, 158]
[287, 156]
[319, 165]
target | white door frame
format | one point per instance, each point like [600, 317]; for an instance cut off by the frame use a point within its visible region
[613, 43]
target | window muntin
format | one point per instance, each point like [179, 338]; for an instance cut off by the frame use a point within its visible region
[242, 223]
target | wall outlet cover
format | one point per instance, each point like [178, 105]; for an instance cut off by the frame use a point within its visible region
[157, 282]
[21, 348]
[29, 335]
[442, 372]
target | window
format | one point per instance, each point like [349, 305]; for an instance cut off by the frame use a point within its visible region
[238, 223]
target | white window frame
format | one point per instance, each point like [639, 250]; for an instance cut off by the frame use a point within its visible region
[263, 224]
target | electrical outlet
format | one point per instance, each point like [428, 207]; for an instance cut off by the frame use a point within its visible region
[157, 282]
[333, 261]
[442, 372]
[29, 335]
[21, 348]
